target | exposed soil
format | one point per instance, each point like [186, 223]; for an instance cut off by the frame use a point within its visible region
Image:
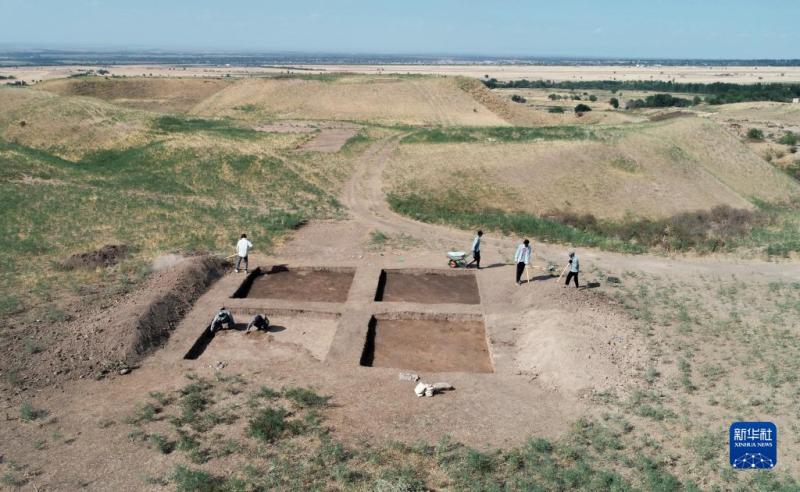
[429, 288]
[286, 338]
[106, 256]
[95, 342]
[437, 345]
[308, 285]
[329, 140]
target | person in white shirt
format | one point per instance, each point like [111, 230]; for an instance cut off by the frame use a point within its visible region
[574, 269]
[242, 248]
[522, 257]
[476, 251]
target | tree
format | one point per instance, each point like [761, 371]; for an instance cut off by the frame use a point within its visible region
[518, 99]
[582, 108]
[593, 98]
[755, 134]
[614, 102]
[697, 100]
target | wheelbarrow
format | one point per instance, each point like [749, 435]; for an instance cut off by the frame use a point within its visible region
[457, 259]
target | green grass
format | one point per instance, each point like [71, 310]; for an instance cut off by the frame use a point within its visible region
[773, 228]
[158, 197]
[448, 208]
[176, 124]
[28, 413]
[499, 134]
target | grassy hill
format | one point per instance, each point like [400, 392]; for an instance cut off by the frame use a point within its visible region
[620, 174]
[95, 174]
[384, 100]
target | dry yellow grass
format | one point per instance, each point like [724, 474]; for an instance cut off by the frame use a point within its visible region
[158, 95]
[68, 126]
[785, 113]
[385, 100]
[651, 170]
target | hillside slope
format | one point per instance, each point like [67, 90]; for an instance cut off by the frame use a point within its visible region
[384, 100]
[651, 170]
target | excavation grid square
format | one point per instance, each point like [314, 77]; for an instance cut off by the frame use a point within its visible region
[427, 288]
[436, 345]
[301, 284]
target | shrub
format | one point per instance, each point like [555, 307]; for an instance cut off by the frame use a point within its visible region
[614, 102]
[270, 424]
[582, 108]
[755, 134]
[788, 139]
[305, 398]
[28, 413]
[518, 99]
[697, 100]
[593, 98]
[554, 97]
[555, 109]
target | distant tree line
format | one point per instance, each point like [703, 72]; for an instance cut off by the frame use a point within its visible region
[717, 93]
[659, 101]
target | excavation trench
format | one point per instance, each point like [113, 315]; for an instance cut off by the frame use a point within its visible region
[427, 342]
[427, 286]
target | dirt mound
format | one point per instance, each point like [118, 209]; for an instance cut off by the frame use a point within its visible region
[160, 95]
[96, 342]
[106, 256]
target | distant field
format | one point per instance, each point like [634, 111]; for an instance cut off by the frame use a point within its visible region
[743, 75]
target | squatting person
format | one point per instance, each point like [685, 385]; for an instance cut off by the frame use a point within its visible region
[476, 250]
[259, 322]
[242, 248]
[522, 257]
[224, 318]
[574, 269]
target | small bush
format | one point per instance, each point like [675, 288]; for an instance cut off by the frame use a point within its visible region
[270, 424]
[28, 413]
[305, 398]
[593, 98]
[189, 480]
[614, 102]
[555, 109]
[582, 108]
[755, 134]
[788, 138]
[518, 99]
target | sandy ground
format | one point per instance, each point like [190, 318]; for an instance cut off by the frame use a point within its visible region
[743, 75]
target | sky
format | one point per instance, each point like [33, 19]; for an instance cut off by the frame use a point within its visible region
[574, 28]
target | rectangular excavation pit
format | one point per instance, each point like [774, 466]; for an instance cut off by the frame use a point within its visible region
[428, 286]
[292, 333]
[427, 342]
[304, 284]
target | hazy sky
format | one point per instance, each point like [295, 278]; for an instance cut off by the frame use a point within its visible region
[624, 28]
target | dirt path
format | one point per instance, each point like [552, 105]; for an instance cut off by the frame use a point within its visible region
[366, 200]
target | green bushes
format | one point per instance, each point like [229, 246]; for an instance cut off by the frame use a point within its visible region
[582, 108]
[755, 134]
[614, 102]
[719, 92]
[555, 109]
[518, 99]
[788, 138]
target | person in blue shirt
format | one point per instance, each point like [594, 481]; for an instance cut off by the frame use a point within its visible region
[574, 269]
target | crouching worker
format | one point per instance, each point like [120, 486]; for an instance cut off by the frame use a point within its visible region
[224, 318]
[260, 323]
[574, 269]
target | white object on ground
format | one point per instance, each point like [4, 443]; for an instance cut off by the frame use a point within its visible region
[408, 376]
[424, 389]
[456, 255]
